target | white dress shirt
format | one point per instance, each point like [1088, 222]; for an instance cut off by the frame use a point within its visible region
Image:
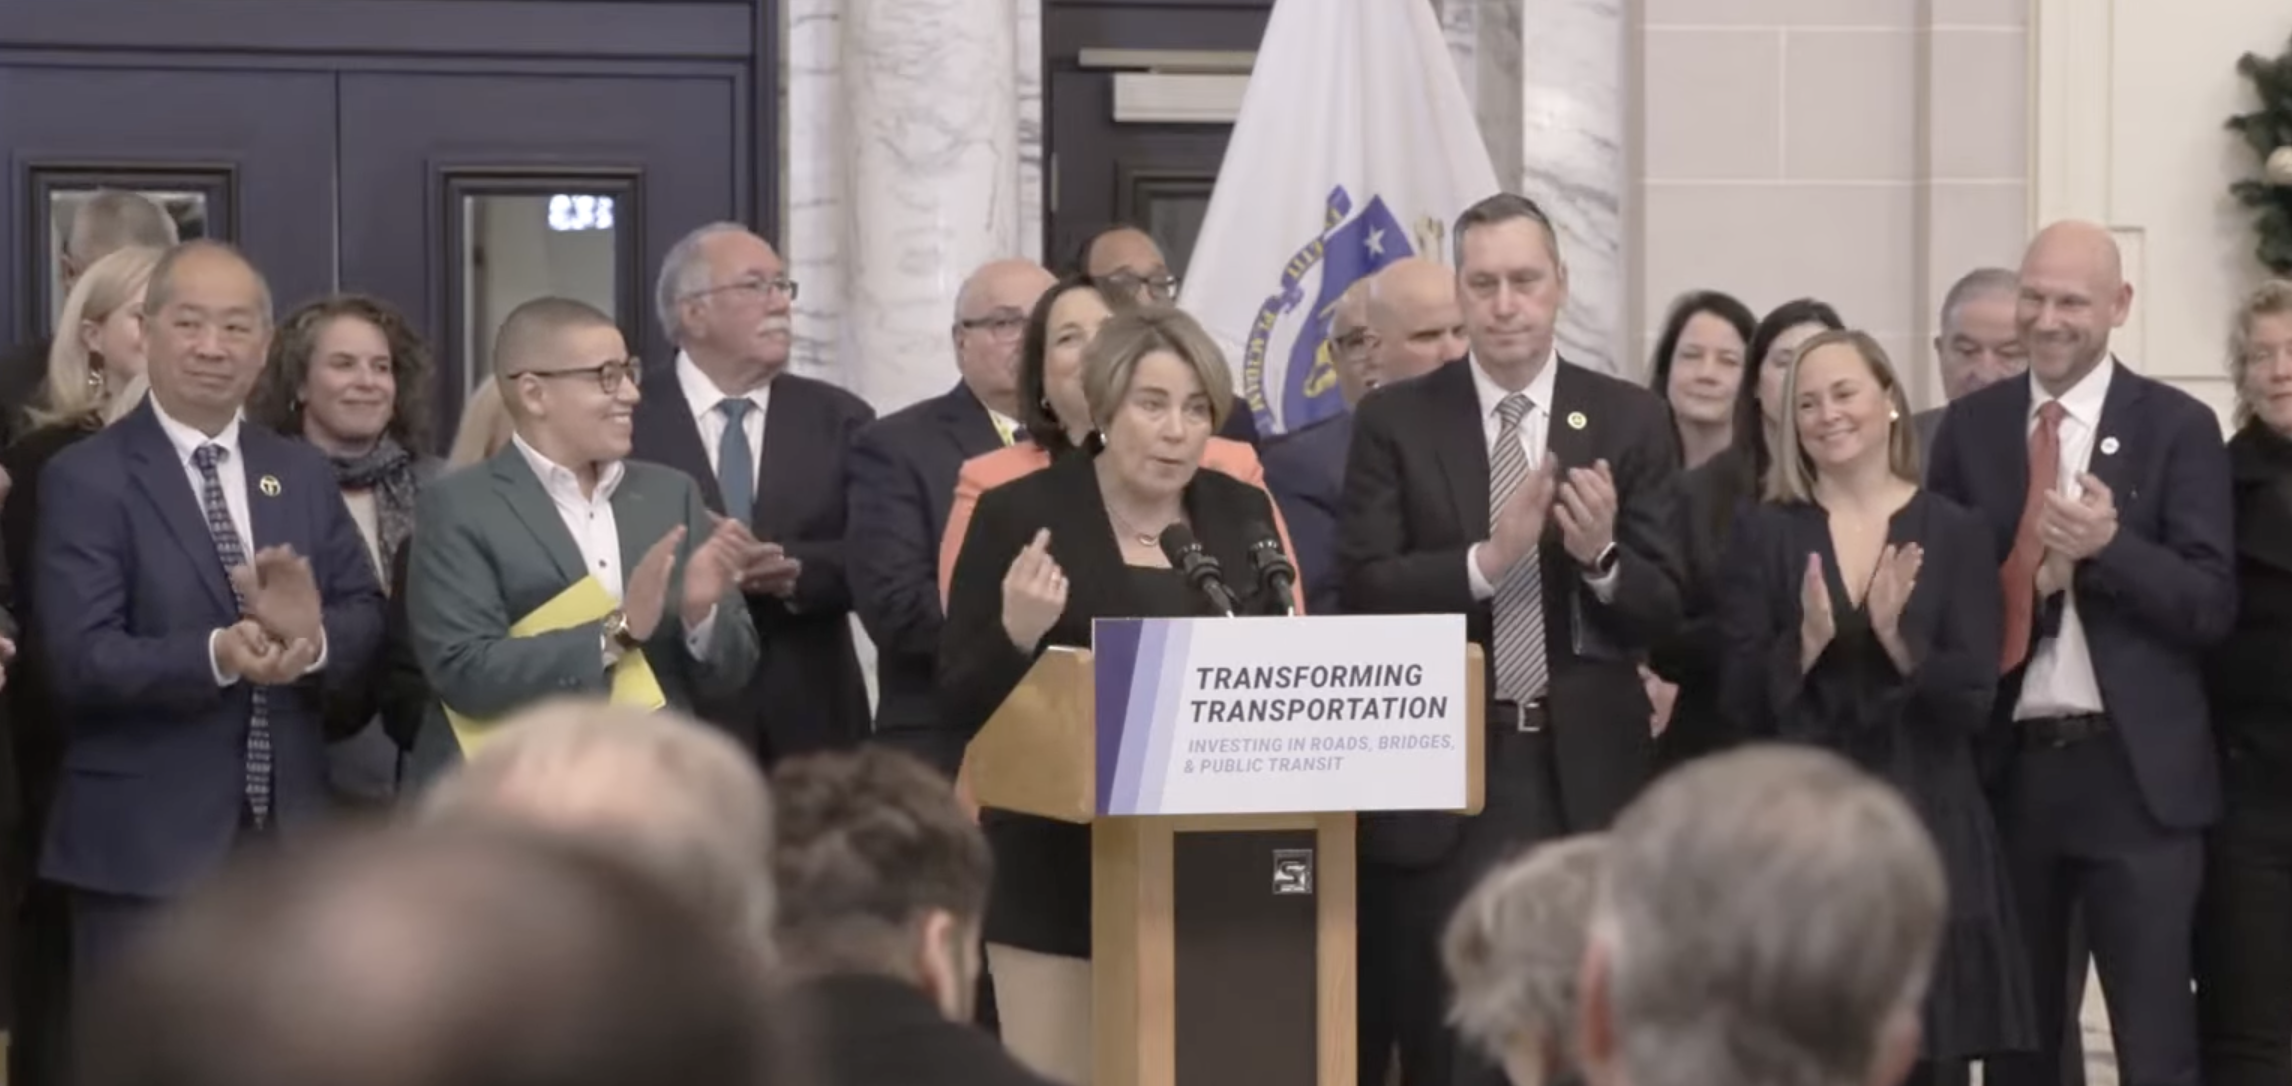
[704, 398]
[1535, 427]
[2060, 679]
[231, 471]
[597, 534]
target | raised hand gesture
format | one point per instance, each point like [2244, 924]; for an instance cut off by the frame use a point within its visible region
[1891, 584]
[1034, 594]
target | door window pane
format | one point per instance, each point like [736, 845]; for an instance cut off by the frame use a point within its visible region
[527, 245]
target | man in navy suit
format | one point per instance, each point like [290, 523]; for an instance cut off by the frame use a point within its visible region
[900, 483]
[2107, 495]
[1399, 323]
[203, 590]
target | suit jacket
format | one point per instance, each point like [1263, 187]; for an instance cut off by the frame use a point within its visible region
[35, 725]
[1305, 470]
[22, 372]
[810, 693]
[1041, 899]
[901, 487]
[491, 548]
[984, 473]
[1927, 424]
[131, 590]
[1241, 424]
[2156, 598]
[1416, 501]
[877, 1031]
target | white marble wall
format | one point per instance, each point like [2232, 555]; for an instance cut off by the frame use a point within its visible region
[1574, 127]
[812, 230]
[1484, 37]
[1031, 156]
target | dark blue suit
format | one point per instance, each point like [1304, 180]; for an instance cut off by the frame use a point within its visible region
[2111, 823]
[1305, 470]
[899, 483]
[130, 592]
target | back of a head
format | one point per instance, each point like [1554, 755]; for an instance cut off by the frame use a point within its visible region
[114, 219]
[1769, 916]
[868, 844]
[668, 795]
[430, 958]
[1514, 950]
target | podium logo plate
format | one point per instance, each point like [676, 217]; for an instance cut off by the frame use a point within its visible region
[1292, 871]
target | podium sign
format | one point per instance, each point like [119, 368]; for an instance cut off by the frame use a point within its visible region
[1281, 715]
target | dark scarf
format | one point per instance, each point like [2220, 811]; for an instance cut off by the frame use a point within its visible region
[387, 469]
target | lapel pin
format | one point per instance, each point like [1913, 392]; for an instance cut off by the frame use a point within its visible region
[1576, 420]
[2108, 446]
[269, 485]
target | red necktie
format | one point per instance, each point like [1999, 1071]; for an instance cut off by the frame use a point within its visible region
[2018, 577]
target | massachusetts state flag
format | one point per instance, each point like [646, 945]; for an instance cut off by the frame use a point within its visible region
[1355, 147]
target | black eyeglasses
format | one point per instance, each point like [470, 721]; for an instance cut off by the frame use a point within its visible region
[608, 375]
[754, 284]
[1161, 287]
[1003, 326]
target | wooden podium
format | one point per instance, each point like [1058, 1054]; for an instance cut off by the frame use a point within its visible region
[1222, 944]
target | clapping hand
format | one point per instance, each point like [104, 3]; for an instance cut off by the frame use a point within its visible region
[1816, 624]
[2079, 527]
[278, 591]
[644, 594]
[1521, 523]
[1662, 697]
[1034, 593]
[764, 568]
[249, 651]
[1891, 584]
[712, 569]
[1586, 509]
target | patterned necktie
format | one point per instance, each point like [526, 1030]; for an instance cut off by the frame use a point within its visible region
[2018, 577]
[736, 462]
[1521, 670]
[233, 552]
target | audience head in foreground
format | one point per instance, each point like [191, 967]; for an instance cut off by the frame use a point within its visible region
[1515, 951]
[671, 797]
[1769, 916]
[880, 873]
[447, 957]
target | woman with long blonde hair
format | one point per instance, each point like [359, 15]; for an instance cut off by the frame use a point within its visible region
[98, 349]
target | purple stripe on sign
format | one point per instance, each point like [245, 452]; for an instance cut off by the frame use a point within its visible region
[1114, 659]
[1138, 716]
[1170, 700]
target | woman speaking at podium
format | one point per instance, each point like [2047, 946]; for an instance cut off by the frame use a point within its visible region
[1044, 555]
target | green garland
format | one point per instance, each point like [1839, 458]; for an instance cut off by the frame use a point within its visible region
[2267, 131]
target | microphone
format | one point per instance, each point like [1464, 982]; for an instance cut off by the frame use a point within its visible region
[1202, 571]
[1276, 575]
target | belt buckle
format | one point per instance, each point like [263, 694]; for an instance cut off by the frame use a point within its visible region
[1530, 720]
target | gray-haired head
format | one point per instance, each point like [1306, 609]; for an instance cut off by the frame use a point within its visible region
[671, 796]
[1769, 916]
[113, 219]
[1975, 284]
[1515, 951]
[684, 272]
[1502, 207]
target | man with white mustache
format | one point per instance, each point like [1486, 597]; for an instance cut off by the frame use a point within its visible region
[767, 448]
[563, 503]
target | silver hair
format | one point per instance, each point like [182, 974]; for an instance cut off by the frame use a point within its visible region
[671, 796]
[1515, 948]
[113, 219]
[2272, 298]
[1972, 285]
[1769, 915]
[683, 274]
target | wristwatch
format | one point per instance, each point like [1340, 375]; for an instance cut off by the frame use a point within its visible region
[1605, 563]
[618, 639]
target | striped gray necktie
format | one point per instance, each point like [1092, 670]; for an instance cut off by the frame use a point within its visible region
[1522, 673]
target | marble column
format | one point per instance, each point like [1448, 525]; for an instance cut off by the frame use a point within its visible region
[1574, 127]
[1484, 38]
[931, 158]
[812, 232]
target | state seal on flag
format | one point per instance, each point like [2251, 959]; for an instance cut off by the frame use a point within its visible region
[1286, 362]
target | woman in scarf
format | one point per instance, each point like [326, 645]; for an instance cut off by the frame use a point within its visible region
[348, 374]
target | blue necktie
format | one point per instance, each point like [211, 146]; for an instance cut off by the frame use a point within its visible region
[736, 462]
[233, 552]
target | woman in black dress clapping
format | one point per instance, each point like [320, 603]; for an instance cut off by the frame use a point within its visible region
[1862, 615]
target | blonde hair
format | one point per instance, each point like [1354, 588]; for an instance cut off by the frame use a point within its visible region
[1791, 477]
[1111, 360]
[77, 391]
[485, 427]
[2272, 298]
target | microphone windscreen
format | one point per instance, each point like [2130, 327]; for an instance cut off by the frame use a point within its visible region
[1177, 542]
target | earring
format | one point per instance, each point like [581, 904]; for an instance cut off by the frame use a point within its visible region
[95, 380]
[1893, 415]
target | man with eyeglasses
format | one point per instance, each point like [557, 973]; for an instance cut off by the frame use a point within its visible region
[1126, 264]
[562, 503]
[767, 448]
[1305, 469]
[902, 483]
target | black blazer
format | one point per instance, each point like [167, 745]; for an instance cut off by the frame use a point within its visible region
[876, 1031]
[2155, 599]
[900, 485]
[1416, 501]
[1305, 471]
[1042, 868]
[22, 371]
[2251, 692]
[1711, 499]
[809, 693]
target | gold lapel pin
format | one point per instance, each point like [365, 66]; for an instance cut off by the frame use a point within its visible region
[1576, 420]
[269, 485]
